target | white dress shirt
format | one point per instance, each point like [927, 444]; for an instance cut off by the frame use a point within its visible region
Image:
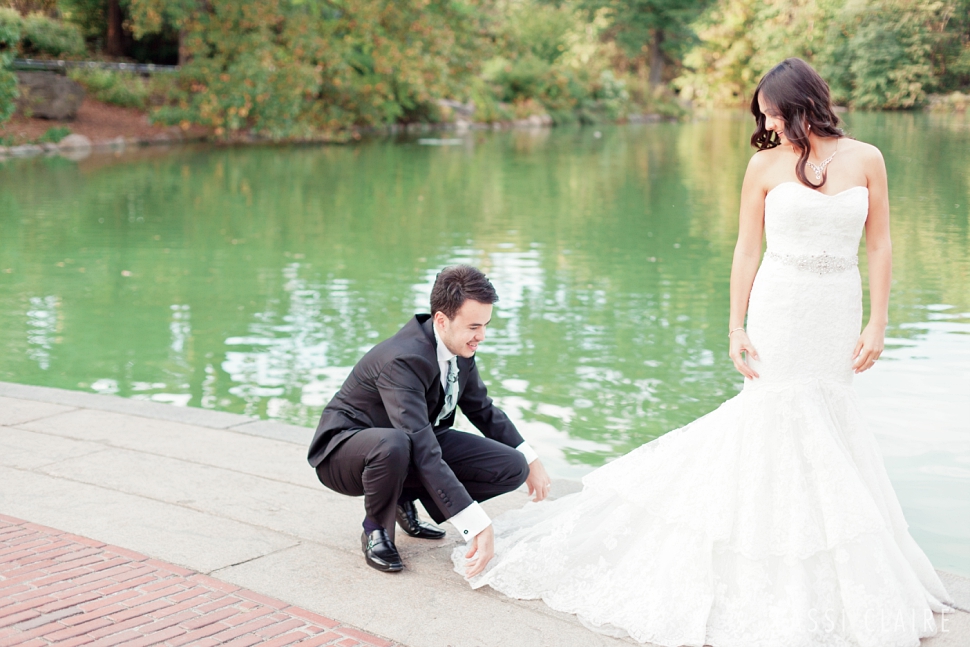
[473, 519]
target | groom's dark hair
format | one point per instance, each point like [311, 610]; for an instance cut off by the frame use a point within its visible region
[456, 284]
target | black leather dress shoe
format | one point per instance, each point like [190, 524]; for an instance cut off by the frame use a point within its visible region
[407, 518]
[380, 552]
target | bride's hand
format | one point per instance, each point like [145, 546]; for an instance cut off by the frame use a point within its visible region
[741, 344]
[871, 343]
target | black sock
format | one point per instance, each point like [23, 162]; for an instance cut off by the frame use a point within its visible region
[370, 525]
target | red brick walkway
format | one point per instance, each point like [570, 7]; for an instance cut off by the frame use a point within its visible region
[61, 589]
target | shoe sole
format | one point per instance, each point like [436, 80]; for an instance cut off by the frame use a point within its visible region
[422, 536]
[419, 536]
[384, 568]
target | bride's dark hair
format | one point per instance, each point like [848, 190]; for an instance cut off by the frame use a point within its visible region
[801, 98]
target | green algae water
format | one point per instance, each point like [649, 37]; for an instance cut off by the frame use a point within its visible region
[250, 280]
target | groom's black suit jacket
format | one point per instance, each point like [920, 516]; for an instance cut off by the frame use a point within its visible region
[397, 384]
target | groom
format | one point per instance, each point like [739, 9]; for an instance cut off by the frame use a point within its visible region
[387, 433]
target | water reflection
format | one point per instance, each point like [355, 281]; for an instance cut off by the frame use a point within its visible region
[918, 408]
[251, 280]
[41, 328]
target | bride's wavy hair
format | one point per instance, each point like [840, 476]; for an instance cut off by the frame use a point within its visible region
[802, 100]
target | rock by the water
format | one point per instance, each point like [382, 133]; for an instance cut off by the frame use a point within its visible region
[48, 95]
[74, 142]
[75, 147]
[27, 150]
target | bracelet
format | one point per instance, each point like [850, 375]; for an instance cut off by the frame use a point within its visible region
[734, 331]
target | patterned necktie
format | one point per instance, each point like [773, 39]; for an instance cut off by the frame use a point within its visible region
[451, 391]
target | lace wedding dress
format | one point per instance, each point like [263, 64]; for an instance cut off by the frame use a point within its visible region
[768, 522]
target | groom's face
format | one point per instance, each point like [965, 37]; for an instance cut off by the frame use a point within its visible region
[466, 331]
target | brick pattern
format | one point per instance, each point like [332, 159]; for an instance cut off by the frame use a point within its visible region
[61, 589]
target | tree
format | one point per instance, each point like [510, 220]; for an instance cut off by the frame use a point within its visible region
[661, 28]
[291, 68]
[873, 53]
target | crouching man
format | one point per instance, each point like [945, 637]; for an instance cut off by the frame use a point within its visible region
[387, 436]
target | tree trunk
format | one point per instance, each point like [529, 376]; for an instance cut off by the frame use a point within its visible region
[114, 45]
[656, 59]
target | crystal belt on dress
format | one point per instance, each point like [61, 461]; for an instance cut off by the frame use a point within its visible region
[817, 263]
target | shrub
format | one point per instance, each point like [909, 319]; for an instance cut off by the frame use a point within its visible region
[952, 102]
[125, 89]
[611, 97]
[54, 135]
[47, 37]
[8, 94]
[10, 27]
[487, 108]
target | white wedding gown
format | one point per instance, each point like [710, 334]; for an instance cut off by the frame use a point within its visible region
[768, 522]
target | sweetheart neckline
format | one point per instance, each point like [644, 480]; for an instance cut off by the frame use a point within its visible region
[833, 195]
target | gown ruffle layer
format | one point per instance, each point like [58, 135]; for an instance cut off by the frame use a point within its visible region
[769, 522]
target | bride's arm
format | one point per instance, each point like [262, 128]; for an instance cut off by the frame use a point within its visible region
[747, 255]
[879, 251]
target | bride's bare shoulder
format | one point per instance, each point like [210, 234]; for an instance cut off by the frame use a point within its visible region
[863, 150]
[763, 160]
[865, 156]
[766, 169]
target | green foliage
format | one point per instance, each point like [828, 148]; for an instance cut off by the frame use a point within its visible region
[125, 89]
[289, 69]
[8, 94]
[526, 78]
[873, 53]
[304, 67]
[488, 109]
[48, 37]
[89, 16]
[10, 28]
[553, 61]
[952, 102]
[298, 68]
[50, 136]
[637, 23]
[54, 135]
[542, 30]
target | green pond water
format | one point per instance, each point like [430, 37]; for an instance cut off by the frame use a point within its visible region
[251, 279]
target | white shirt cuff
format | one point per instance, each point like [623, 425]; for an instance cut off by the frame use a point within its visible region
[527, 451]
[471, 521]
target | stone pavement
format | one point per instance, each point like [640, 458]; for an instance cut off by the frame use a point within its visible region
[233, 499]
[61, 589]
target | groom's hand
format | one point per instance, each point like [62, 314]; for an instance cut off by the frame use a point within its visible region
[538, 481]
[481, 552]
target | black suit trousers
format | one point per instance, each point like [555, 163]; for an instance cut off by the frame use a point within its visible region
[376, 464]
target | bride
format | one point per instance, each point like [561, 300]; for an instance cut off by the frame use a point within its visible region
[770, 521]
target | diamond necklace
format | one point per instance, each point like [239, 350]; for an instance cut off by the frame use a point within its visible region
[821, 167]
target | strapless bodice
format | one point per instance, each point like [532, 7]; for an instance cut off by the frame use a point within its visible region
[801, 222]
